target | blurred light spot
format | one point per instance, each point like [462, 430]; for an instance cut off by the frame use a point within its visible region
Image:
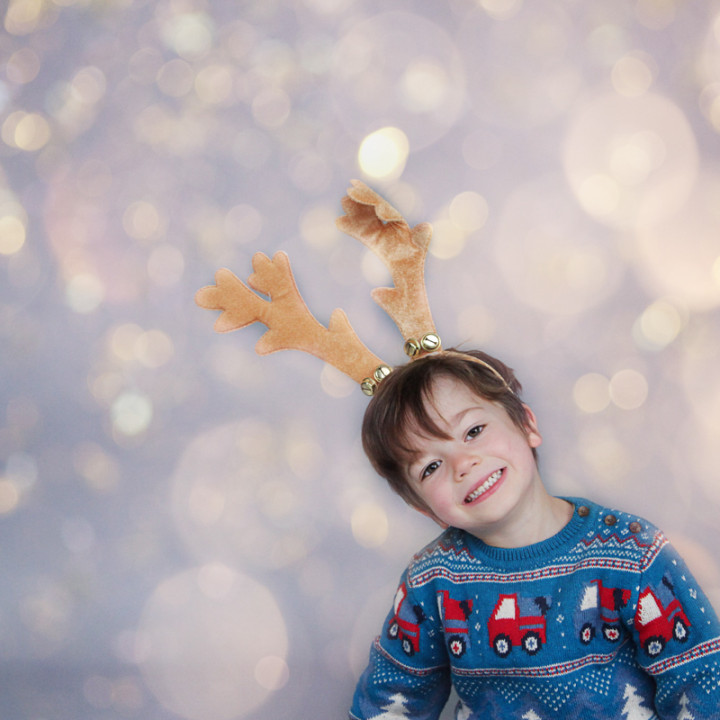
[175, 78]
[501, 9]
[272, 672]
[216, 655]
[383, 153]
[599, 195]
[335, 383]
[131, 413]
[84, 293]
[78, 535]
[631, 75]
[655, 14]
[12, 235]
[25, 131]
[9, 497]
[424, 85]
[88, 85]
[469, 211]
[548, 254]
[166, 265]
[154, 349]
[317, 227]
[676, 257]
[658, 326]
[628, 389]
[631, 161]
[216, 580]
[190, 35]
[271, 107]
[205, 505]
[23, 66]
[277, 499]
[633, 158]
[144, 65]
[24, 17]
[605, 455]
[591, 393]
[21, 469]
[304, 456]
[99, 470]
[141, 220]
[123, 339]
[448, 239]
[369, 524]
[710, 104]
[214, 84]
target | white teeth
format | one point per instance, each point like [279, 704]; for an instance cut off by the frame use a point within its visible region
[484, 487]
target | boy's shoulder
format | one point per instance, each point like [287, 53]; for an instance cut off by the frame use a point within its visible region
[608, 524]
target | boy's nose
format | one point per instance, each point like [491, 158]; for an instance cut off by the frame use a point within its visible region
[463, 463]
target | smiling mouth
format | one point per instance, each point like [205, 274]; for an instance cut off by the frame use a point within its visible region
[475, 494]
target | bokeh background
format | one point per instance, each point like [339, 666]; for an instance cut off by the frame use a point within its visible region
[190, 531]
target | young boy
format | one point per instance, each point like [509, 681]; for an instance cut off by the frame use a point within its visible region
[531, 606]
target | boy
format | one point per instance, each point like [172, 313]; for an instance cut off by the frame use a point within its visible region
[531, 606]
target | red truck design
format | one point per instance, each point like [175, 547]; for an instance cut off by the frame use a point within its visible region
[405, 623]
[660, 618]
[518, 621]
[599, 610]
[454, 615]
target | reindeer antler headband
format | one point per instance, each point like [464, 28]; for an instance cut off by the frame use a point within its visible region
[380, 227]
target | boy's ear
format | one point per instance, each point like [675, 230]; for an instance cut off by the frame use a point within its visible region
[531, 428]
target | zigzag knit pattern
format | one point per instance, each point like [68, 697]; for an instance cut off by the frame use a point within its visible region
[603, 620]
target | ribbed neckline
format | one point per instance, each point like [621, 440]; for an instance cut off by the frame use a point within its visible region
[565, 538]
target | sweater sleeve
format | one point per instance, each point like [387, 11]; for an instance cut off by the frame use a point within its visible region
[408, 672]
[677, 635]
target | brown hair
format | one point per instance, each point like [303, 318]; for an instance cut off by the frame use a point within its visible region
[400, 407]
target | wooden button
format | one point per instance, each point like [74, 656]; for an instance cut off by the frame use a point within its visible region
[635, 527]
[610, 520]
[583, 511]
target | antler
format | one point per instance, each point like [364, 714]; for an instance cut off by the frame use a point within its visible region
[290, 323]
[380, 227]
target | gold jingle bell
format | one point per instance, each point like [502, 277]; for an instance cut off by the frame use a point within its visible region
[369, 385]
[428, 343]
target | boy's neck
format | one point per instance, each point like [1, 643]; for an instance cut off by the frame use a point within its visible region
[538, 519]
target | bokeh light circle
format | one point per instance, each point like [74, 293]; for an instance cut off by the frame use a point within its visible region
[630, 161]
[401, 69]
[677, 257]
[548, 255]
[212, 644]
[236, 495]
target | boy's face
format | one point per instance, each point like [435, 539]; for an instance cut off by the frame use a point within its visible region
[484, 476]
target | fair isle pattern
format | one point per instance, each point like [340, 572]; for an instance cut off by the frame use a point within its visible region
[602, 621]
[548, 671]
[709, 647]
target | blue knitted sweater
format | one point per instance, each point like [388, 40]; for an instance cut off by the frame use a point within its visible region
[602, 620]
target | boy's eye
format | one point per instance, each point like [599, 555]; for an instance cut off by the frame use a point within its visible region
[428, 470]
[475, 431]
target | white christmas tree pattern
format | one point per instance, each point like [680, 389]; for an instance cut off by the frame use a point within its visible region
[634, 707]
[685, 714]
[396, 709]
